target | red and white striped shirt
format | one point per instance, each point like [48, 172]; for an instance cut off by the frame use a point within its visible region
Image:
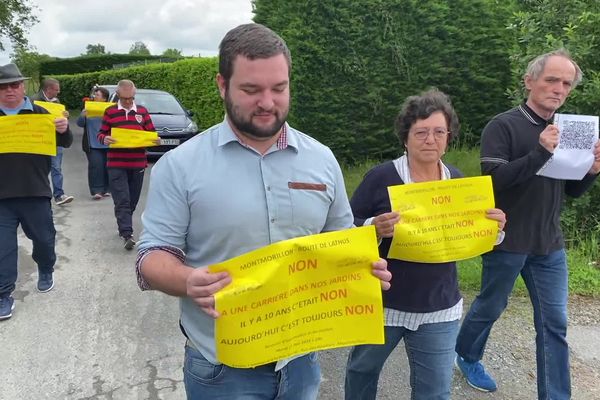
[116, 117]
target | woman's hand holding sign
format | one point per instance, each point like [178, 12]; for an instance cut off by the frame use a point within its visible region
[384, 224]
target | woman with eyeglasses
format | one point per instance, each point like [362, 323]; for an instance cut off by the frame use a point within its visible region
[423, 305]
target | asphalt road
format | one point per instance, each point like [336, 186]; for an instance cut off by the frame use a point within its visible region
[97, 336]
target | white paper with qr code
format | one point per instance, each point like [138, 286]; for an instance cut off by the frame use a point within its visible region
[573, 157]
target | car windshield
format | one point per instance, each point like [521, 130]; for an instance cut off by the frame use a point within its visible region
[158, 103]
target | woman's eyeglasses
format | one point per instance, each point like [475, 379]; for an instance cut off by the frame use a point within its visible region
[423, 133]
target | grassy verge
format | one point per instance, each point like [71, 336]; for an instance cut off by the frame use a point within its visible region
[583, 253]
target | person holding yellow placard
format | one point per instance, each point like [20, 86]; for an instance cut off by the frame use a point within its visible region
[424, 305]
[94, 150]
[125, 166]
[243, 184]
[48, 93]
[25, 194]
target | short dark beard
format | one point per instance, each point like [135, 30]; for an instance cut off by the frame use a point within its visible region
[247, 128]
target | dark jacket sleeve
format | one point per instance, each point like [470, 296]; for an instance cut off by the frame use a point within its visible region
[361, 202]
[64, 139]
[497, 160]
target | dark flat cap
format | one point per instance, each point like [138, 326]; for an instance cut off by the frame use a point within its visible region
[10, 73]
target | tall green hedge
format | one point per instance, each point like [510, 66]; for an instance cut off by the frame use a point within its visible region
[192, 81]
[78, 65]
[355, 63]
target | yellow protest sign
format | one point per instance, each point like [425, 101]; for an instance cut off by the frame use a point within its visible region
[443, 221]
[28, 133]
[130, 138]
[55, 109]
[299, 295]
[96, 108]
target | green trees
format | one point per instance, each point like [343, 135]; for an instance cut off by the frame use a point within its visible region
[95, 50]
[16, 16]
[139, 49]
[544, 25]
[29, 61]
[172, 53]
[355, 63]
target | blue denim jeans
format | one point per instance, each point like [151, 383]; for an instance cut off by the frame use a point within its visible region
[546, 278]
[56, 173]
[430, 351]
[35, 216]
[97, 171]
[298, 380]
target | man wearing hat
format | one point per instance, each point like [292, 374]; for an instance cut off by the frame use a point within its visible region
[25, 195]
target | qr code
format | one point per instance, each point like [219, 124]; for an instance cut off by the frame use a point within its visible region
[577, 135]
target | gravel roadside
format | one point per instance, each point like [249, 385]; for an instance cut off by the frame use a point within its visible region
[510, 358]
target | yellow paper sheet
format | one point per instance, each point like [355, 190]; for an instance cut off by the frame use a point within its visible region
[96, 108]
[130, 138]
[56, 109]
[299, 295]
[443, 221]
[28, 133]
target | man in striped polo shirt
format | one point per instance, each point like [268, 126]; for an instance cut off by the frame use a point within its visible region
[125, 165]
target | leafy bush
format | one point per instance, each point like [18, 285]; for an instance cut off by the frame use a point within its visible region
[78, 65]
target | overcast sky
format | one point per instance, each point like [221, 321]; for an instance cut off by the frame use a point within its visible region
[193, 26]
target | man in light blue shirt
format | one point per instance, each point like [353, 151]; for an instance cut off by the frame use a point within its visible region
[247, 182]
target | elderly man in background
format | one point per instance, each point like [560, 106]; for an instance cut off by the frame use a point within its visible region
[514, 146]
[25, 195]
[125, 166]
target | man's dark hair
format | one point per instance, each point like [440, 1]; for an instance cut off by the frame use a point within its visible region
[104, 91]
[421, 107]
[252, 41]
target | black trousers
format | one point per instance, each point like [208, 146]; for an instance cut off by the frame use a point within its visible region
[125, 188]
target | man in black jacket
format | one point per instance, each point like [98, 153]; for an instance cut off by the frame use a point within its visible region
[25, 195]
[515, 145]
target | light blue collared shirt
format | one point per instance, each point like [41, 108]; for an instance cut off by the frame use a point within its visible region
[215, 199]
[25, 105]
